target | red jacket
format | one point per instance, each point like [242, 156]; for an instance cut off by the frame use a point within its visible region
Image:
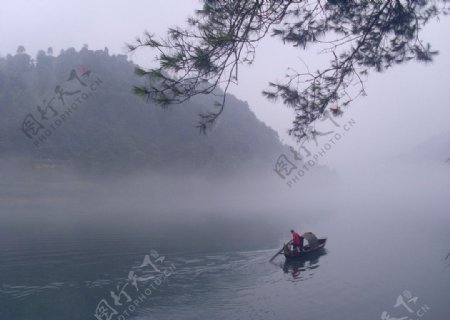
[295, 238]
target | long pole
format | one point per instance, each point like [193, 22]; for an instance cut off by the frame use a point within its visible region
[280, 251]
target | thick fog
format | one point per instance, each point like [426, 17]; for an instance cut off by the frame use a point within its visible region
[244, 211]
[370, 166]
[376, 183]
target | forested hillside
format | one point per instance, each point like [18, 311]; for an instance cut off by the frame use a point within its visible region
[78, 109]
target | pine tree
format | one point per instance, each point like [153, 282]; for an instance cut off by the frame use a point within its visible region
[359, 35]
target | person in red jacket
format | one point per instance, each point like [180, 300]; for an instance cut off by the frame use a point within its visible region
[297, 241]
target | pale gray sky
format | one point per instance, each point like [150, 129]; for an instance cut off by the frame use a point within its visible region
[405, 105]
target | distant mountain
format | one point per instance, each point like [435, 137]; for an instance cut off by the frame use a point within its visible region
[77, 109]
[435, 149]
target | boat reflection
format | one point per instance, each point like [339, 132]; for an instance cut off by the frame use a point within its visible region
[300, 268]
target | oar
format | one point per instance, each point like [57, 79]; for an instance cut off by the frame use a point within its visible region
[279, 252]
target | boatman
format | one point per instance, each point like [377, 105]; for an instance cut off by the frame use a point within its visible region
[297, 241]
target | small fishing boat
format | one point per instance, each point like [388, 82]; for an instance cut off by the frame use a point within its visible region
[315, 245]
[309, 250]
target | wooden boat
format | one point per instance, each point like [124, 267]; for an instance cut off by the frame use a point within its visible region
[314, 245]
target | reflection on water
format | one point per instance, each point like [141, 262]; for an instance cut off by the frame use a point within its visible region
[66, 280]
[369, 260]
[303, 268]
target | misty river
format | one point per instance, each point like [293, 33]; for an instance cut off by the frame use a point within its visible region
[385, 256]
[157, 156]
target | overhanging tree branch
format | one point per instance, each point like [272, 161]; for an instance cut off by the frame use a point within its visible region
[362, 36]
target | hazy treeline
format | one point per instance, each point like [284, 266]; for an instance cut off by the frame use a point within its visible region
[217, 190]
[110, 127]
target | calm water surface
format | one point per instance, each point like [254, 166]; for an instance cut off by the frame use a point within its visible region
[364, 270]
